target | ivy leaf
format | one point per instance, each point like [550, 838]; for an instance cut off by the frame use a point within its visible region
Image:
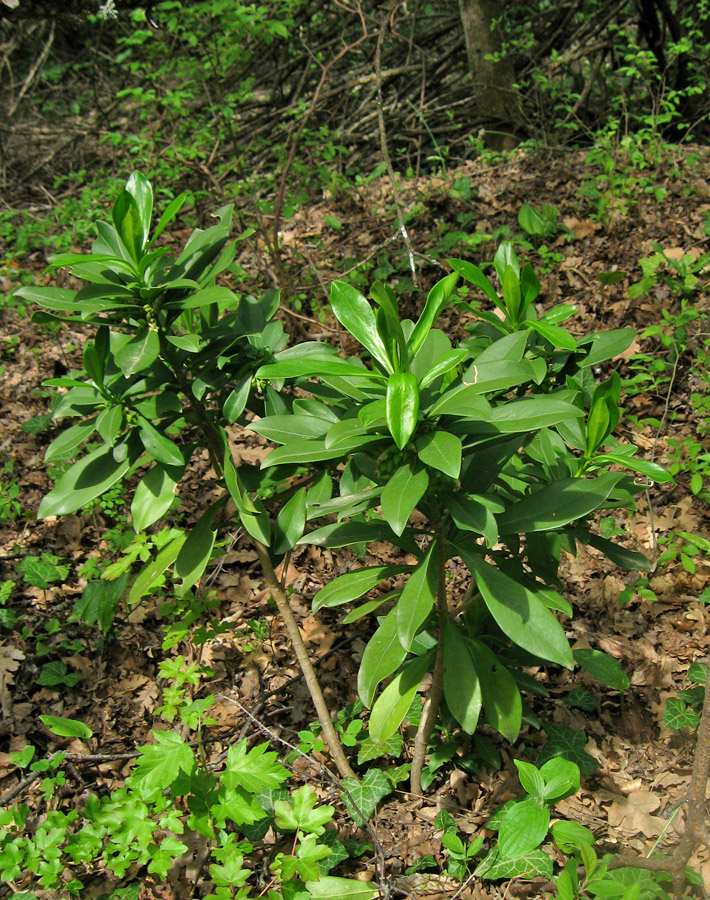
[677, 715]
[43, 571]
[568, 744]
[365, 794]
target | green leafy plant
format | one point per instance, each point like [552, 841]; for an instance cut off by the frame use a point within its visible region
[170, 369]
[489, 441]
[172, 795]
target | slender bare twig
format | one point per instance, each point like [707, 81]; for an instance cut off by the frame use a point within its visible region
[385, 150]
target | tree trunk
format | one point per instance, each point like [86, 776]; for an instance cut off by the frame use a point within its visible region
[493, 79]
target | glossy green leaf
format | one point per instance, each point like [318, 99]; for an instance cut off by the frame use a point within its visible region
[464, 402]
[388, 324]
[442, 367]
[402, 407]
[603, 667]
[506, 258]
[558, 337]
[65, 445]
[86, 480]
[502, 703]
[473, 513]
[283, 429]
[401, 494]
[532, 413]
[435, 302]
[353, 585]
[520, 615]
[418, 596]
[644, 467]
[127, 221]
[67, 727]
[155, 568]
[523, 829]
[440, 450]
[530, 778]
[606, 345]
[474, 275]
[195, 553]
[155, 495]
[497, 375]
[355, 314]
[252, 513]
[314, 366]
[558, 504]
[383, 655]
[511, 292]
[140, 352]
[620, 556]
[141, 190]
[462, 690]
[330, 887]
[160, 447]
[345, 534]
[290, 523]
[170, 213]
[300, 452]
[392, 705]
[562, 779]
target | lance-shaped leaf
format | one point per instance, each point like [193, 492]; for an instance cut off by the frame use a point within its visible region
[402, 407]
[441, 451]
[290, 523]
[558, 337]
[474, 275]
[462, 690]
[520, 615]
[532, 413]
[383, 655]
[195, 553]
[355, 314]
[393, 703]
[418, 597]
[160, 447]
[83, 482]
[155, 495]
[502, 703]
[127, 220]
[141, 190]
[155, 568]
[252, 513]
[140, 352]
[298, 368]
[352, 585]
[388, 324]
[558, 504]
[402, 493]
[345, 534]
[435, 302]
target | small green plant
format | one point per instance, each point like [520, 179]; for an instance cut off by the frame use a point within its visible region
[10, 506]
[173, 795]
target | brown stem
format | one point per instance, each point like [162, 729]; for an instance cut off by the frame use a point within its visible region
[309, 674]
[431, 708]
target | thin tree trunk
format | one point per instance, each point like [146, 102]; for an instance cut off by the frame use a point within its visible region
[493, 78]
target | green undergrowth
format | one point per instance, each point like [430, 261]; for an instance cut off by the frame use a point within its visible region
[494, 452]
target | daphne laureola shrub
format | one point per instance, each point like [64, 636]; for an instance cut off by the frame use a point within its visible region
[501, 442]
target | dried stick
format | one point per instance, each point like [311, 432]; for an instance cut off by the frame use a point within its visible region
[292, 152]
[389, 13]
[41, 59]
[304, 661]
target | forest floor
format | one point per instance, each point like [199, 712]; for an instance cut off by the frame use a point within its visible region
[642, 767]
